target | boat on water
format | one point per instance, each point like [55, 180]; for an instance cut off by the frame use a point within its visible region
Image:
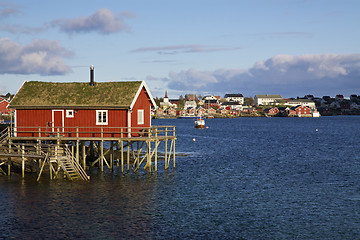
[200, 123]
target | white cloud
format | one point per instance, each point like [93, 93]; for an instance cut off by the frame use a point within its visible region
[281, 74]
[7, 9]
[42, 57]
[185, 48]
[103, 21]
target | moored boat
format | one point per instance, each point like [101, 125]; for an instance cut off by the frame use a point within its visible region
[200, 123]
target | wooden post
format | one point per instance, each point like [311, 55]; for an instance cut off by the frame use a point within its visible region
[102, 151]
[9, 159]
[84, 155]
[156, 144]
[77, 146]
[102, 156]
[148, 162]
[128, 157]
[122, 155]
[166, 164]
[23, 161]
[174, 146]
[112, 155]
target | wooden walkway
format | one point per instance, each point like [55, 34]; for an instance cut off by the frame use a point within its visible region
[82, 148]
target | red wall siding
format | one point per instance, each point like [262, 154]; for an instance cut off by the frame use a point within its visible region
[142, 102]
[82, 118]
[32, 118]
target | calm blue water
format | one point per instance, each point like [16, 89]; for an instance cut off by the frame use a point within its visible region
[245, 178]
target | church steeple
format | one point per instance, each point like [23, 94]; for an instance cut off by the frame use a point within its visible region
[166, 99]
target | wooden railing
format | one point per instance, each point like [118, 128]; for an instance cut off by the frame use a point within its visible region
[93, 132]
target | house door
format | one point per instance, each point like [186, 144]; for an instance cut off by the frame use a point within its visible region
[58, 120]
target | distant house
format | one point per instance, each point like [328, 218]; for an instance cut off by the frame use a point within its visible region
[302, 110]
[4, 106]
[190, 97]
[211, 97]
[190, 104]
[211, 103]
[231, 105]
[271, 111]
[201, 110]
[61, 106]
[171, 112]
[234, 98]
[339, 97]
[211, 111]
[303, 102]
[183, 112]
[191, 111]
[267, 99]
[160, 112]
[224, 111]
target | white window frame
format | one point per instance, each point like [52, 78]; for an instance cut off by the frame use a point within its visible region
[70, 113]
[101, 122]
[140, 116]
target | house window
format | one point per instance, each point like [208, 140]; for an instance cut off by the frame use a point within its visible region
[101, 117]
[69, 113]
[140, 116]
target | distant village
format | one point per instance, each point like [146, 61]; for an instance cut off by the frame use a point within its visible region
[236, 105]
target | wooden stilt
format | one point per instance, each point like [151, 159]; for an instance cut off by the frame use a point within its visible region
[77, 151]
[122, 155]
[128, 157]
[174, 154]
[83, 155]
[166, 162]
[9, 159]
[112, 156]
[23, 162]
[102, 156]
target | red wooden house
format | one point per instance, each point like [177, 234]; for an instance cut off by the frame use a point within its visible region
[302, 110]
[171, 111]
[271, 111]
[211, 111]
[90, 109]
[4, 107]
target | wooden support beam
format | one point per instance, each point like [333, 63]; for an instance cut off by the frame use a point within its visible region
[166, 163]
[9, 159]
[112, 156]
[174, 154]
[102, 156]
[83, 155]
[23, 162]
[77, 151]
[42, 167]
[128, 157]
[122, 155]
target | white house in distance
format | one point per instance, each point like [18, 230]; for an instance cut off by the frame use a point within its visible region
[266, 99]
[234, 98]
[302, 102]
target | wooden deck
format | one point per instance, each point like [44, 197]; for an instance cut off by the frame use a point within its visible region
[128, 147]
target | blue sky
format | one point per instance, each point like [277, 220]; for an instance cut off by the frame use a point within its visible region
[292, 48]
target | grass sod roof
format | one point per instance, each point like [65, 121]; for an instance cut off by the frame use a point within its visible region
[50, 94]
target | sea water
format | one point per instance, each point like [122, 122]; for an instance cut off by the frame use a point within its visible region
[242, 178]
